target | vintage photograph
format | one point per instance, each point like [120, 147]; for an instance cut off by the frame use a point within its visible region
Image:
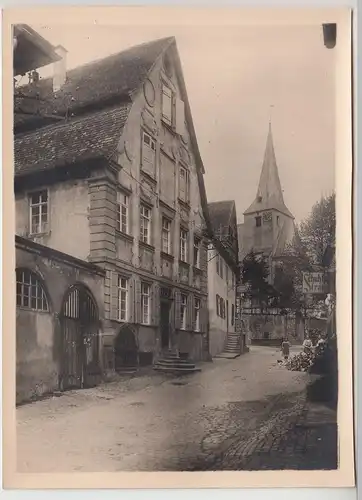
[175, 247]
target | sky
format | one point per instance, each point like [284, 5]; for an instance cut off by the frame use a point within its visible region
[237, 78]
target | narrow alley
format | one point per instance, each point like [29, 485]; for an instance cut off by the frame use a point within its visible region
[232, 415]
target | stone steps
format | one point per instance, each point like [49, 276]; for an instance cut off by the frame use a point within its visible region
[170, 362]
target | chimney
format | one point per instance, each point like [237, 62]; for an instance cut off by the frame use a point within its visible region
[60, 68]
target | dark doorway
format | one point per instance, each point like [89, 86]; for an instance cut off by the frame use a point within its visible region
[80, 341]
[165, 307]
[126, 351]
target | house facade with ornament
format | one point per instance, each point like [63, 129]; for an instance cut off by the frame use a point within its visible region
[108, 173]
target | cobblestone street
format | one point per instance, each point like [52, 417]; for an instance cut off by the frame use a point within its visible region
[247, 413]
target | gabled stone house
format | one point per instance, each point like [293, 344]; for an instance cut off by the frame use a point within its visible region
[108, 171]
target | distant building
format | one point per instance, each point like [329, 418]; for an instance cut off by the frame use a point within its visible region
[108, 172]
[267, 230]
[222, 278]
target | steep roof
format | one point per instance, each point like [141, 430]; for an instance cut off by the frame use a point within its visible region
[269, 194]
[66, 143]
[95, 95]
[115, 76]
[220, 213]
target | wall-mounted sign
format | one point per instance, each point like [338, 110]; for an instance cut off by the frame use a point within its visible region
[313, 283]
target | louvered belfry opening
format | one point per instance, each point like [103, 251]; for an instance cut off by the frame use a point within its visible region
[79, 339]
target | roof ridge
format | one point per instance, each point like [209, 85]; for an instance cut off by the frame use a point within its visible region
[109, 56]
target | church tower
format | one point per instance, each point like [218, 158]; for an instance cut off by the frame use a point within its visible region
[268, 223]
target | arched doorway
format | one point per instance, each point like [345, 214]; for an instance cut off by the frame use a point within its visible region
[126, 349]
[80, 341]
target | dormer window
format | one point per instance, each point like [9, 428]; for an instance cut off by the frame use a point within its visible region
[258, 221]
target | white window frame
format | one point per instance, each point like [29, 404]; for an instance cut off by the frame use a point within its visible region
[148, 144]
[184, 240]
[197, 309]
[197, 248]
[41, 225]
[167, 105]
[145, 224]
[123, 298]
[123, 212]
[166, 235]
[145, 303]
[186, 196]
[183, 311]
[30, 289]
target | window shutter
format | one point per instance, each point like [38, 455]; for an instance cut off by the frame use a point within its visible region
[148, 155]
[180, 117]
[177, 310]
[114, 295]
[137, 302]
[167, 104]
[155, 304]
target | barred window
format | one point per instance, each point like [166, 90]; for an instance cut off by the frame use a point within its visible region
[29, 291]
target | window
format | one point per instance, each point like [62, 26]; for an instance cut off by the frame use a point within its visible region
[145, 224]
[227, 273]
[197, 245]
[122, 299]
[222, 308]
[122, 213]
[184, 185]
[183, 312]
[166, 104]
[266, 335]
[232, 279]
[148, 154]
[39, 212]
[277, 220]
[145, 303]
[197, 307]
[217, 305]
[183, 245]
[232, 314]
[166, 235]
[29, 291]
[258, 221]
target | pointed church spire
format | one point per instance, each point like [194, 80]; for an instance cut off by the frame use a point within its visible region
[269, 193]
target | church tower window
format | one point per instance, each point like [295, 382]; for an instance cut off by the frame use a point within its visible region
[258, 221]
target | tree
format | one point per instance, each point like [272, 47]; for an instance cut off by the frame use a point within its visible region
[318, 231]
[255, 275]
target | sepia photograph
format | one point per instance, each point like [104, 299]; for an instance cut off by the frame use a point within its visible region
[176, 215]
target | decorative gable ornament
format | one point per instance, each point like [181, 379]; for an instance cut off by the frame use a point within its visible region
[147, 190]
[149, 92]
[267, 217]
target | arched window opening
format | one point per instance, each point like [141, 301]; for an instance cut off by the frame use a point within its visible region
[29, 291]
